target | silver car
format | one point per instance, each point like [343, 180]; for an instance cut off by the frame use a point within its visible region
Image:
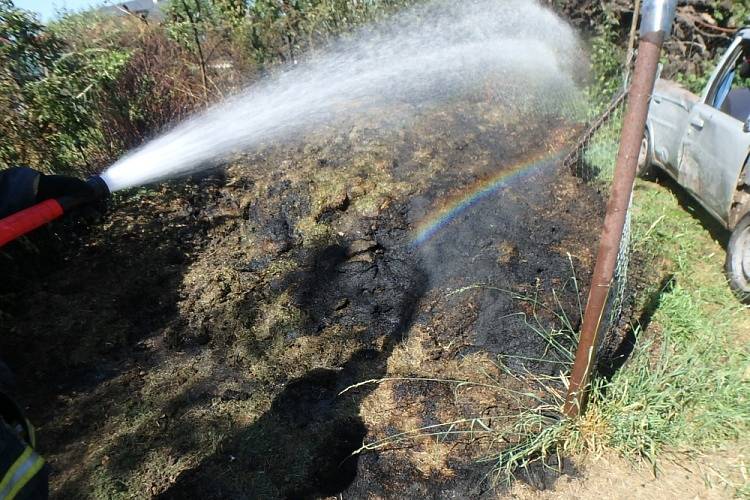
[704, 144]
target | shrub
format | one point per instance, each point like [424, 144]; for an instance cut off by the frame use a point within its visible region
[78, 93]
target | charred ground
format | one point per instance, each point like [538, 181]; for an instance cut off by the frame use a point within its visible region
[196, 341]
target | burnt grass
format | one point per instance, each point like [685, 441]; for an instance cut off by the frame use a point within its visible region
[193, 338]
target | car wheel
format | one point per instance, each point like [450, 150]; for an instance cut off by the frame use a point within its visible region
[738, 260]
[645, 168]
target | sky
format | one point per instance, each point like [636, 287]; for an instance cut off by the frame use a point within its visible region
[47, 8]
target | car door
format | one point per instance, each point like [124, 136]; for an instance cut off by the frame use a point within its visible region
[715, 146]
[714, 149]
[668, 117]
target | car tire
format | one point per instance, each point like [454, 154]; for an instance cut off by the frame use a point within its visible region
[645, 169]
[738, 260]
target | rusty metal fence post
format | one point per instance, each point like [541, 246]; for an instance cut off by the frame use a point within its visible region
[656, 25]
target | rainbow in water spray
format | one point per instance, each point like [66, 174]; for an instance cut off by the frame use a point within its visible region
[476, 192]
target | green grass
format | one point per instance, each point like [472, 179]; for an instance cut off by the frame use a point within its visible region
[601, 151]
[688, 380]
[686, 384]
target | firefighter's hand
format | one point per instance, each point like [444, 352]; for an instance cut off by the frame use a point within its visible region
[22, 187]
[56, 186]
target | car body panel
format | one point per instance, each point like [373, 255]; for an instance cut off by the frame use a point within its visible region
[700, 146]
[669, 110]
[714, 149]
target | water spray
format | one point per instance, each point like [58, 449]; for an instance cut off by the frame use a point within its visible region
[23, 222]
[432, 54]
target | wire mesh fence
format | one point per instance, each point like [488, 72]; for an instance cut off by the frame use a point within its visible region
[591, 157]
[592, 161]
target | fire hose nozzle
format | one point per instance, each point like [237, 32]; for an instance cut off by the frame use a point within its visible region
[100, 188]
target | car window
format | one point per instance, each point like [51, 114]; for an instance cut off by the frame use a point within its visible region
[725, 86]
[733, 93]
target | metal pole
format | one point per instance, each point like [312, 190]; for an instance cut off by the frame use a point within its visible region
[656, 25]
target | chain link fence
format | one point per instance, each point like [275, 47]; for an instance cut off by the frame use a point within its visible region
[592, 160]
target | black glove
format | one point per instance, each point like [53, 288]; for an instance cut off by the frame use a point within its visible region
[22, 187]
[57, 186]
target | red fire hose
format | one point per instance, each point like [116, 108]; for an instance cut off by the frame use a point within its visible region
[23, 222]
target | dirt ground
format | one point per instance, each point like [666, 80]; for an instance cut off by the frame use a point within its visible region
[194, 340]
[712, 476]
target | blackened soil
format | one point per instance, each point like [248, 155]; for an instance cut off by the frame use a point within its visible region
[196, 340]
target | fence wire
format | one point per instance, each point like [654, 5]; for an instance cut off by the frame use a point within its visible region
[592, 160]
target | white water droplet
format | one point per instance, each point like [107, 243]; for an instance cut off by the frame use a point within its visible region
[436, 52]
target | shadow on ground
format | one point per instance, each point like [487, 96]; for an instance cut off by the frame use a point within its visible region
[77, 302]
[302, 446]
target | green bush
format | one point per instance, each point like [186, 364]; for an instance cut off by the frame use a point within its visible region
[47, 94]
[77, 94]
[26, 54]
